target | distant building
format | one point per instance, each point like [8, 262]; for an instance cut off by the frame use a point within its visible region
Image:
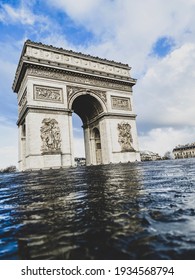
[80, 161]
[168, 155]
[184, 151]
[149, 156]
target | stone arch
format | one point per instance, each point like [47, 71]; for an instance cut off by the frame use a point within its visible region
[90, 108]
[87, 105]
[74, 92]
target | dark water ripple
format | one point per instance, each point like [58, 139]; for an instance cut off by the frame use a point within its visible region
[124, 211]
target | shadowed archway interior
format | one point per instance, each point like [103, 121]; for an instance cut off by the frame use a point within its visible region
[86, 107]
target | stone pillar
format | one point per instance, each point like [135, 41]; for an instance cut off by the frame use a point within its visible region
[22, 147]
[87, 143]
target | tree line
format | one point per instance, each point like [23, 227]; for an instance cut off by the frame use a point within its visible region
[9, 169]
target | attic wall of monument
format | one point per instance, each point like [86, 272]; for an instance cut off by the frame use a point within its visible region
[77, 61]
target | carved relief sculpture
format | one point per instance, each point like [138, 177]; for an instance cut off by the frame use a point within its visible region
[50, 135]
[73, 90]
[125, 137]
[121, 103]
[48, 94]
[77, 79]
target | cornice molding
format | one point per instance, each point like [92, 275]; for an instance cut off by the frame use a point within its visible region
[59, 58]
[42, 109]
[72, 76]
[112, 116]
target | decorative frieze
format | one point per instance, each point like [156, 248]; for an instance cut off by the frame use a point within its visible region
[74, 90]
[125, 138]
[79, 61]
[50, 94]
[64, 76]
[23, 101]
[50, 136]
[121, 103]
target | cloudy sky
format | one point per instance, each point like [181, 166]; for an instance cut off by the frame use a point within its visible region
[155, 37]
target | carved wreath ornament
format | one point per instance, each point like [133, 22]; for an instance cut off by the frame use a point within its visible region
[50, 136]
[125, 137]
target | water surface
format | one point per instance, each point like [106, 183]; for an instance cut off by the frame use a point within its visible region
[124, 211]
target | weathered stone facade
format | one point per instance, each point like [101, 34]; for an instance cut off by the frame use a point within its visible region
[50, 84]
[184, 151]
[149, 156]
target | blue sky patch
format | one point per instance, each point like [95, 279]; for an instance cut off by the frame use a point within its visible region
[75, 33]
[163, 46]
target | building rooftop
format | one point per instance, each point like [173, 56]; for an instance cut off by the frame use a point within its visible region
[186, 146]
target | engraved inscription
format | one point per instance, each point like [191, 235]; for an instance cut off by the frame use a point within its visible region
[121, 103]
[48, 94]
[50, 136]
[125, 137]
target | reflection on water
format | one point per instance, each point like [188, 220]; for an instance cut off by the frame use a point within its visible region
[124, 211]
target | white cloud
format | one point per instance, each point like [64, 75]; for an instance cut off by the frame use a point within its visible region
[9, 156]
[126, 30]
[79, 149]
[24, 14]
[79, 10]
[60, 41]
[21, 14]
[8, 143]
[161, 140]
[8, 106]
[165, 95]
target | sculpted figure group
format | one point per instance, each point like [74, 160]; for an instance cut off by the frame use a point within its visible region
[125, 138]
[50, 135]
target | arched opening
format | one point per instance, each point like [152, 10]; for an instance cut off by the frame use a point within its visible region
[88, 108]
[78, 140]
[97, 145]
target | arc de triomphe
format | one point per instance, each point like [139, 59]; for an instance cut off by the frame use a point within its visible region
[52, 83]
